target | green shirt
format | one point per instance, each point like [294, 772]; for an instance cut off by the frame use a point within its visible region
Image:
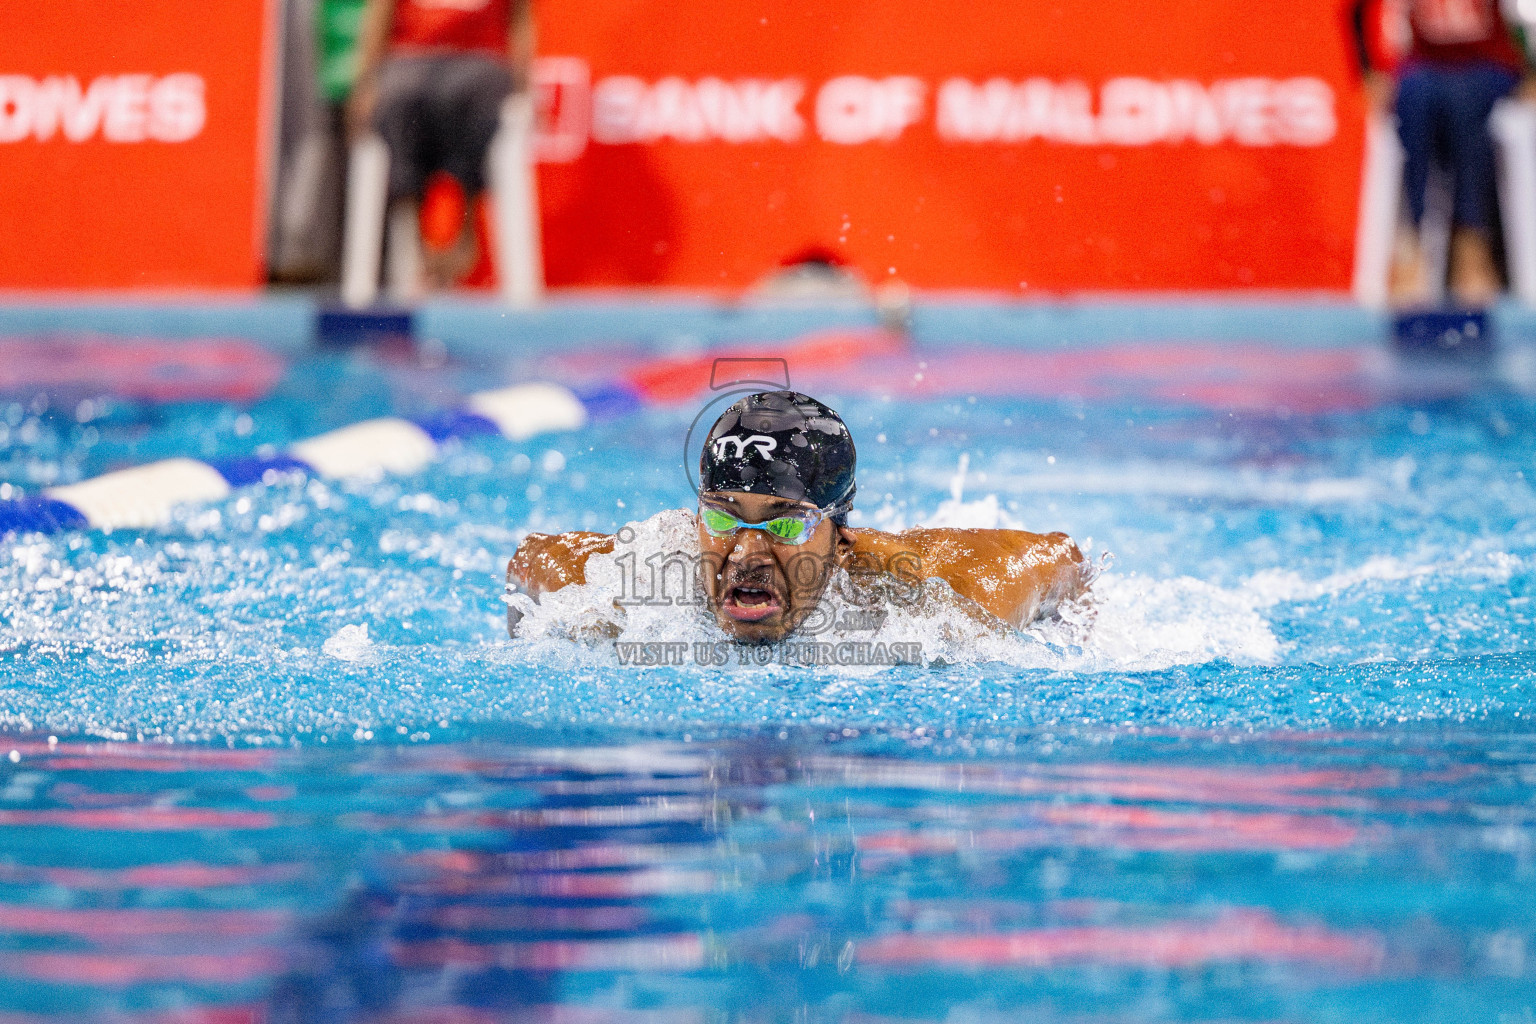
[336, 45]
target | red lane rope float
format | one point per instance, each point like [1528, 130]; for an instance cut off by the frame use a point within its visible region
[666, 381]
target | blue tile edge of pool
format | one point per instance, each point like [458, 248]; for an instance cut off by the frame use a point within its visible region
[669, 322]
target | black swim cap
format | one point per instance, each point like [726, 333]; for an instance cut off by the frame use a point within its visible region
[781, 443]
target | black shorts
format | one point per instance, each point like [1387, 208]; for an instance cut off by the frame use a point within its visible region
[439, 112]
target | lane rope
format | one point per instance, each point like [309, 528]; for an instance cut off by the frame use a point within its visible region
[145, 496]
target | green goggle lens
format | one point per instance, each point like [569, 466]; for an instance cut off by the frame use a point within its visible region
[718, 522]
[789, 529]
[786, 528]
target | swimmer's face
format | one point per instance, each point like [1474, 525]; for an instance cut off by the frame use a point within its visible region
[760, 588]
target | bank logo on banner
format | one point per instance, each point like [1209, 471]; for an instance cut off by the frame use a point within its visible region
[856, 110]
[627, 109]
[562, 89]
[1139, 112]
[853, 109]
[115, 108]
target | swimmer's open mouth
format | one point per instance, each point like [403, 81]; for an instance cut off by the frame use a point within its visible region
[746, 603]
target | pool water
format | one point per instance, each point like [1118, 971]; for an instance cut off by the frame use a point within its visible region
[278, 761]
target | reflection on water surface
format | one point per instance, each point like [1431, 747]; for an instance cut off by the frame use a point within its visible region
[1118, 878]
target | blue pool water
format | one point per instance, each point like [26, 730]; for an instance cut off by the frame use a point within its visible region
[278, 761]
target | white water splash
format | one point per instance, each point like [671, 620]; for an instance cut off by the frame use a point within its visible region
[351, 644]
[957, 513]
[1135, 623]
[981, 514]
[1127, 623]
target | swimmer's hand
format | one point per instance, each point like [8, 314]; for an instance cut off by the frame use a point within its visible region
[545, 562]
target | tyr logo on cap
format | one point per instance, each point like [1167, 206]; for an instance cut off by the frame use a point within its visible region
[764, 445]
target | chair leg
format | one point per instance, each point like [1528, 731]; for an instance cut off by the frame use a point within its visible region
[515, 200]
[367, 194]
[406, 282]
[1513, 124]
[1381, 191]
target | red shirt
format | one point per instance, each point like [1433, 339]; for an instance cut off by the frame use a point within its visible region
[477, 26]
[1462, 31]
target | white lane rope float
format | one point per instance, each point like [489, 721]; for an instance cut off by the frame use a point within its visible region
[145, 496]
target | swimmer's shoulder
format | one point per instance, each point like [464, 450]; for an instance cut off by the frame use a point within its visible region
[947, 544]
[1013, 575]
[545, 562]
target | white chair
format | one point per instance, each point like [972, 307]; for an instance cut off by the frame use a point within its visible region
[363, 234]
[515, 226]
[1513, 124]
[1381, 197]
[515, 194]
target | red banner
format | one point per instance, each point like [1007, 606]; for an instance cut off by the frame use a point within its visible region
[1027, 146]
[131, 143]
[1024, 146]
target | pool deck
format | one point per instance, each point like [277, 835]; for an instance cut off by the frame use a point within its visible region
[664, 321]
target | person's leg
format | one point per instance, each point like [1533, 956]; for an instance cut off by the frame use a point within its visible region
[1470, 97]
[436, 133]
[473, 91]
[401, 116]
[1415, 109]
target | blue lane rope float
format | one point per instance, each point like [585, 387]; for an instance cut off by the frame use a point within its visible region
[145, 496]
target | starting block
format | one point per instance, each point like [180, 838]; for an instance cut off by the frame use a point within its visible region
[1453, 336]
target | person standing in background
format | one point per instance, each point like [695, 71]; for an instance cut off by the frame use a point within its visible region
[320, 64]
[337, 25]
[1462, 58]
[432, 76]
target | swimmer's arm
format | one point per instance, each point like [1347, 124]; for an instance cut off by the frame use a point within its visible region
[545, 562]
[1016, 576]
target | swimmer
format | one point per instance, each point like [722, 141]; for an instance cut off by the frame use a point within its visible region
[776, 481]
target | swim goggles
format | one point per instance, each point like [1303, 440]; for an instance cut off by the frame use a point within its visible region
[793, 529]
